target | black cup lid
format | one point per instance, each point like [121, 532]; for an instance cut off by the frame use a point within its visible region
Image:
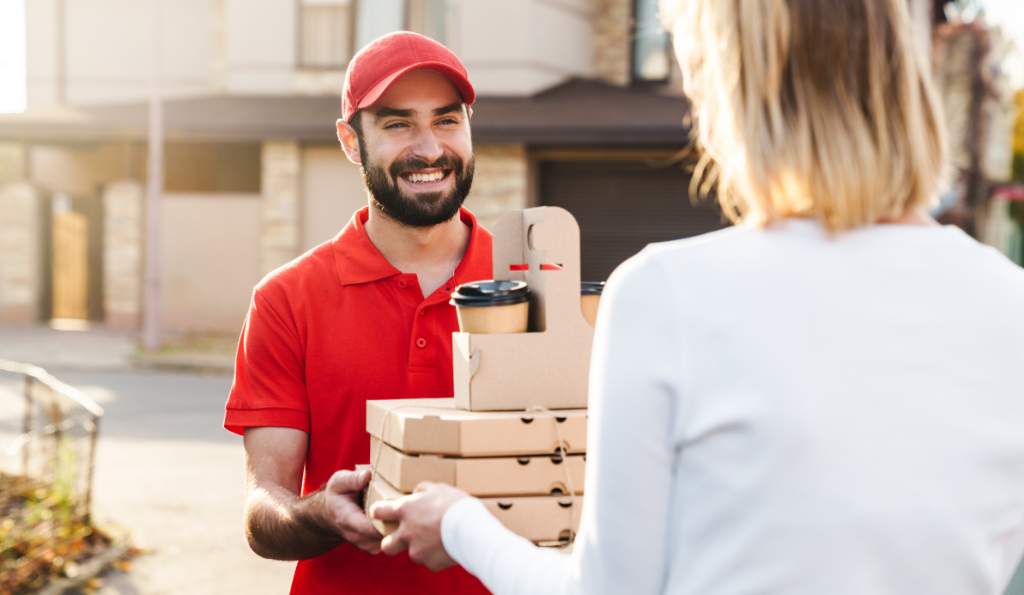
[591, 287]
[490, 293]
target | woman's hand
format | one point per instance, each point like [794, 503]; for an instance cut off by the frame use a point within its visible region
[419, 516]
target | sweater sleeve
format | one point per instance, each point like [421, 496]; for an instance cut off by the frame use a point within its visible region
[622, 546]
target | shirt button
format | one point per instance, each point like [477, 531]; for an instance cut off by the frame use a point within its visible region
[421, 342]
[402, 284]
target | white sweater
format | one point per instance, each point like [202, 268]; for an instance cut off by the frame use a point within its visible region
[781, 412]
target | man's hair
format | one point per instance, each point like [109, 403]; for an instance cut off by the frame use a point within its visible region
[810, 108]
[356, 122]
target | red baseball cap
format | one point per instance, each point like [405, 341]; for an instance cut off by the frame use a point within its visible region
[375, 67]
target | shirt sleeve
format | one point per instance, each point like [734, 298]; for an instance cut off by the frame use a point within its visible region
[623, 540]
[269, 387]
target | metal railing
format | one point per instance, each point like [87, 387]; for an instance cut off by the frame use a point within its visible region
[59, 432]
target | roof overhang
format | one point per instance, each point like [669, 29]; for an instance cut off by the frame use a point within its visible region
[576, 113]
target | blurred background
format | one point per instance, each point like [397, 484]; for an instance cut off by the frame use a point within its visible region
[158, 158]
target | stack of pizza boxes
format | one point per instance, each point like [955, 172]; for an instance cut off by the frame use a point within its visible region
[514, 434]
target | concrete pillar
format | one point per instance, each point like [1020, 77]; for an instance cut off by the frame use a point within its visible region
[20, 252]
[501, 182]
[13, 163]
[281, 184]
[122, 254]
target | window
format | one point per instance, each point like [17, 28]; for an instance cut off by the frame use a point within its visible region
[377, 17]
[332, 30]
[651, 44]
[325, 34]
[429, 17]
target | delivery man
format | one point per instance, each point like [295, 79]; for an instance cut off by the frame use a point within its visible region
[363, 316]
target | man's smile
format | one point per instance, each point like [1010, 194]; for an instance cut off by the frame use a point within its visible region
[430, 179]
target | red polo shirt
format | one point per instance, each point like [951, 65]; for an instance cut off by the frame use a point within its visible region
[325, 333]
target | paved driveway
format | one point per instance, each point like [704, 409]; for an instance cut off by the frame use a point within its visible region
[170, 472]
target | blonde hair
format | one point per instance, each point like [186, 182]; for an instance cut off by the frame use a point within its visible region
[809, 108]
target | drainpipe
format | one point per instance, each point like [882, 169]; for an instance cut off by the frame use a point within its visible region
[154, 188]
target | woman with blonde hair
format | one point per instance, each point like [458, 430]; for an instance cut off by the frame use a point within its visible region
[827, 397]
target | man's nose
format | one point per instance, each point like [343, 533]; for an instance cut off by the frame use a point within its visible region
[427, 146]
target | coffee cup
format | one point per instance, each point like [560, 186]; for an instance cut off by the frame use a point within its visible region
[590, 299]
[492, 306]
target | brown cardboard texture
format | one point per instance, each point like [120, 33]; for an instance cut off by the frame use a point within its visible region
[435, 426]
[547, 367]
[380, 490]
[541, 519]
[493, 476]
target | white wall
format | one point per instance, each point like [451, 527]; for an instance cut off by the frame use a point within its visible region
[249, 46]
[209, 249]
[41, 53]
[259, 45]
[519, 48]
[332, 189]
[108, 49]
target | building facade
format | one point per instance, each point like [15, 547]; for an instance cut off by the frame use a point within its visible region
[579, 106]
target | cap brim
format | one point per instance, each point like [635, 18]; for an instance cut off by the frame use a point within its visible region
[457, 79]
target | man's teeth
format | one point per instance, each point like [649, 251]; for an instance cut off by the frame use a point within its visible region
[434, 177]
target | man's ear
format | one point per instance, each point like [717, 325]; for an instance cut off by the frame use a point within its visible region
[349, 141]
[469, 111]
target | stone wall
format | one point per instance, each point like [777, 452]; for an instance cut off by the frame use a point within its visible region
[20, 267]
[123, 254]
[501, 182]
[281, 189]
[613, 22]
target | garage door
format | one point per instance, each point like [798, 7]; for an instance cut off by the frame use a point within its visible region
[623, 206]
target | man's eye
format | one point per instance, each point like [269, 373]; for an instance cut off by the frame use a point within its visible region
[394, 125]
[448, 122]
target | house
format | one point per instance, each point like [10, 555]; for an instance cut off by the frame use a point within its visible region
[579, 106]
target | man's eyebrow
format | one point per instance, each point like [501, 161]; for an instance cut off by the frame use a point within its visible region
[386, 112]
[447, 109]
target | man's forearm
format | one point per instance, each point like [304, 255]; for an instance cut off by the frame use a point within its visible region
[283, 526]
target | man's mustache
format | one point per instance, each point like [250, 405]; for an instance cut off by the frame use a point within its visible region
[443, 162]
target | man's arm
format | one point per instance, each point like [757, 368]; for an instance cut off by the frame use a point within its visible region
[279, 523]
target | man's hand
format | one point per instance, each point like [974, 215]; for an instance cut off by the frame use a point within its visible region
[419, 515]
[343, 513]
[284, 526]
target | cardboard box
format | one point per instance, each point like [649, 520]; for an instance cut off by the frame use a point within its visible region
[547, 367]
[374, 493]
[541, 519]
[435, 426]
[494, 476]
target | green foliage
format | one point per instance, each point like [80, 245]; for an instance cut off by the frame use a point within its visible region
[1018, 137]
[42, 535]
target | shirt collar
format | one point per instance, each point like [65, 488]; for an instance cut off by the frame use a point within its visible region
[357, 259]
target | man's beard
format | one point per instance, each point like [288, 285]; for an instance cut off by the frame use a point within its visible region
[423, 210]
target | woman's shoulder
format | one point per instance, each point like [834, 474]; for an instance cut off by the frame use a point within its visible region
[712, 248]
[665, 263]
[714, 241]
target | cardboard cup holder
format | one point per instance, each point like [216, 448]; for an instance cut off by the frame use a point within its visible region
[547, 366]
